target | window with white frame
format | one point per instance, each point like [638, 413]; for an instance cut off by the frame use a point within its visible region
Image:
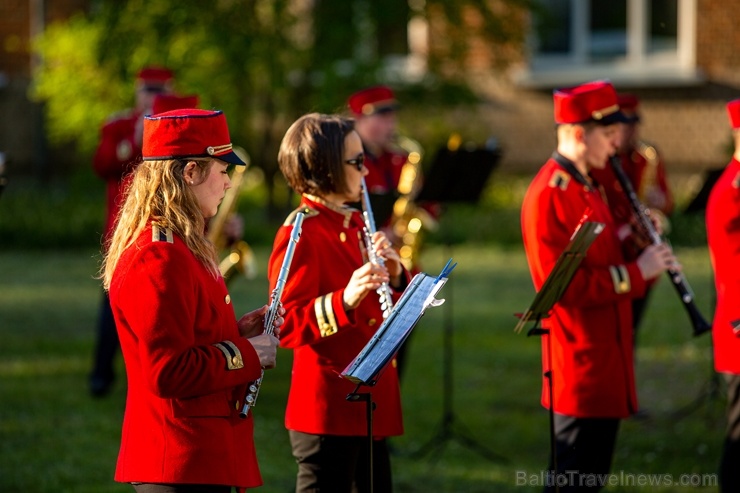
[638, 42]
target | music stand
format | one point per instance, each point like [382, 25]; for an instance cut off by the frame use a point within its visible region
[699, 202]
[455, 176]
[711, 389]
[549, 294]
[3, 179]
[366, 367]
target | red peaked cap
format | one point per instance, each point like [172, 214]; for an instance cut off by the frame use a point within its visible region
[591, 102]
[628, 104]
[733, 111]
[169, 102]
[188, 133]
[154, 74]
[372, 100]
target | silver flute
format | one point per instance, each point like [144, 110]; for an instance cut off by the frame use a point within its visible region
[250, 400]
[384, 291]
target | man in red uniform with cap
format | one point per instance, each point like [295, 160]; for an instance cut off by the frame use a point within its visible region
[374, 110]
[587, 353]
[723, 237]
[645, 169]
[116, 155]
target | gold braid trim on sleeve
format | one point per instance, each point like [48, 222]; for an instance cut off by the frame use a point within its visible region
[325, 315]
[620, 278]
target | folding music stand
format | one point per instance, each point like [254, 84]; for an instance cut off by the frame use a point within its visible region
[551, 291]
[712, 388]
[3, 179]
[699, 202]
[366, 367]
[455, 176]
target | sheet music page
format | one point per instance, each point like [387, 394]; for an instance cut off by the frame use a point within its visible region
[381, 348]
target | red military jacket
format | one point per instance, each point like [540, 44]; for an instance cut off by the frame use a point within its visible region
[591, 325]
[385, 171]
[323, 336]
[723, 237]
[187, 369]
[114, 158]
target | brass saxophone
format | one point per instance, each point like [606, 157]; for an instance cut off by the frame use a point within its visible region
[408, 219]
[240, 257]
[649, 184]
[650, 175]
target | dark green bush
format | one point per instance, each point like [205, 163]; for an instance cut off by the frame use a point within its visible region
[70, 214]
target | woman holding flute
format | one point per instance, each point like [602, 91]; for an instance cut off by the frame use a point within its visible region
[332, 310]
[188, 359]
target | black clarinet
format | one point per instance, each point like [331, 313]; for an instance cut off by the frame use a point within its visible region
[677, 278]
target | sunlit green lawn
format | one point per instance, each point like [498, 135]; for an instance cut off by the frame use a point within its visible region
[55, 438]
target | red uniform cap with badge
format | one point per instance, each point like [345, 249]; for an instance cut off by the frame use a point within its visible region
[372, 100]
[733, 111]
[628, 104]
[154, 79]
[188, 133]
[594, 102]
[169, 102]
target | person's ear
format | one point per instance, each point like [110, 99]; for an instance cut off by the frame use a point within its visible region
[579, 133]
[190, 172]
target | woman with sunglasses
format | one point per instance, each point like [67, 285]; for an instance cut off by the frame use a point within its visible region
[332, 310]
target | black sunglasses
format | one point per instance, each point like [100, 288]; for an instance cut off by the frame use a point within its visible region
[358, 161]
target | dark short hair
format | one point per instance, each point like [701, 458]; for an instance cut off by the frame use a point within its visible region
[311, 155]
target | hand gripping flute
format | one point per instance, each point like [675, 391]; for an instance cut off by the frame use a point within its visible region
[677, 278]
[250, 400]
[384, 291]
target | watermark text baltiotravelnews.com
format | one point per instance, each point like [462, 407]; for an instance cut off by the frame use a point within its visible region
[621, 478]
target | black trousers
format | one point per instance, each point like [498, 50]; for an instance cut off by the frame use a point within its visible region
[339, 464]
[584, 448]
[180, 488]
[729, 473]
[106, 348]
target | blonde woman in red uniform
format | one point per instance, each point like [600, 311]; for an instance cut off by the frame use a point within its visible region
[332, 310]
[188, 360]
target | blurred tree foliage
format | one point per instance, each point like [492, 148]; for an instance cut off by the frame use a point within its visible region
[264, 62]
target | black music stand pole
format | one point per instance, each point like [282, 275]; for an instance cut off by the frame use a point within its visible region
[378, 352]
[549, 294]
[367, 398]
[456, 176]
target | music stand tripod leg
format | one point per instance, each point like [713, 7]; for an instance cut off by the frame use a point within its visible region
[447, 425]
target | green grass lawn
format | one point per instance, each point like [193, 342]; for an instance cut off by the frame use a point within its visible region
[55, 438]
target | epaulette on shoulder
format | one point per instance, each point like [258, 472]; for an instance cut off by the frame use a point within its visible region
[160, 233]
[559, 179]
[647, 150]
[308, 211]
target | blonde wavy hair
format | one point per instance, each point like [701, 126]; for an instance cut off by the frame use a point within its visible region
[157, 192]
